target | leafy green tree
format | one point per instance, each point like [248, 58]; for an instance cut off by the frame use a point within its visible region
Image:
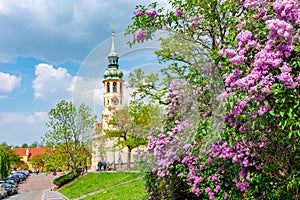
[4, 164]
[38, 161]
[100, 142]
[199, 29]
[69, 135]
[25, 145]
[4, 144]
[15, 159]
[132, 125]
[34, 145]
[148, 87]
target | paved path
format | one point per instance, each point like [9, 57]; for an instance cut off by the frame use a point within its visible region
[37, 187]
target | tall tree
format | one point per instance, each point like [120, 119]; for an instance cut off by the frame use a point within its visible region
[15, 159]
[38, 161]
[70, 132]
[25, 145]
[148, 86]
[34, 145]
[4, 144]
[4, 164]
[132, 125]
[100, 142]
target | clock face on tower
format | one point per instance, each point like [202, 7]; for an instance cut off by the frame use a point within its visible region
[115, 100]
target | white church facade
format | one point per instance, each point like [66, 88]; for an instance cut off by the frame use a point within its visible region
[103, 148]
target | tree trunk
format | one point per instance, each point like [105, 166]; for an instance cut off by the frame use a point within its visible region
[129, 158]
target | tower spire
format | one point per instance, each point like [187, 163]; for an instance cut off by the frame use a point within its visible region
[113, 51]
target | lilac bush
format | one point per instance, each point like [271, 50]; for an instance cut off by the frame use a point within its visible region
[262, 90]
[256, 154]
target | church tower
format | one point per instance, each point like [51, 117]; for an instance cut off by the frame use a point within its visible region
[113, 87]
[113, 101]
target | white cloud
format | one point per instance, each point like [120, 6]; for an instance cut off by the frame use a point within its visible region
[8, 82]
[18, 127]
[27, 118]
[58, 30]
[4, 9]
[52, 84]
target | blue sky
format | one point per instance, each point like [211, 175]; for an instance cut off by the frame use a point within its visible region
[53, 50]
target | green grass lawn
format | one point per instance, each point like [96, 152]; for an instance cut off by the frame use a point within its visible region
[95, 181]
[132, 191]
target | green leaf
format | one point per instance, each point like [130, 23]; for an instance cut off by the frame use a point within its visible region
[271, 112]
[266, 102]
[290, 134]
[290, 113]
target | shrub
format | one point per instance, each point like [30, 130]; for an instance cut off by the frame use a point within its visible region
[64, 179]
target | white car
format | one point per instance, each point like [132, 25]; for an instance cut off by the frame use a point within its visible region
[3, 192]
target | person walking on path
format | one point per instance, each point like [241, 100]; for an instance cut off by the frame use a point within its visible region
[99, 166]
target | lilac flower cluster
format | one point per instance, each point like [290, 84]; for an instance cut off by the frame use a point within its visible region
[269, 55]
[287, 10]
[140, 35]
[194, 20]
[174, 144]
[239, 153]
[163, 144]
[219, 154]
[152, 12]
[178, 12]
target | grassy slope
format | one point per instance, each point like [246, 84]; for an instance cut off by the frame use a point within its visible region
[132, 191]
[96, 181]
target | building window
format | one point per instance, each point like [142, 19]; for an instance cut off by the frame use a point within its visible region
[114, 86]
[121, 88]
[107, 87]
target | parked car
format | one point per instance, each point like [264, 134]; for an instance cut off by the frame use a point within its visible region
[3, 192]
[21, 176]
[11, 181]
[24, 172]
[15, 178]
[9, 189]
[15, 189]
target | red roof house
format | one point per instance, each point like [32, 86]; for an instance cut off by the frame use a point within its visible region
[29, 152]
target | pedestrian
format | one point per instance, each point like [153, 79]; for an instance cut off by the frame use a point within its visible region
[54, 173]
[99, 166]
[104, 165]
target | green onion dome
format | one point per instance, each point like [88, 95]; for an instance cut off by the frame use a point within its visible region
[113, 73]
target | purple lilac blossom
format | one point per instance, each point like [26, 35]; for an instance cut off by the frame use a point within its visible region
[140, 35]
[178, 12]
[138, 13]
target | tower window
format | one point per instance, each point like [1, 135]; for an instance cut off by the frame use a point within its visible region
[121, 88]
[114, 86]
[107, 87]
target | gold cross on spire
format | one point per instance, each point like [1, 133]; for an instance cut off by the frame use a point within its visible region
[113, 31]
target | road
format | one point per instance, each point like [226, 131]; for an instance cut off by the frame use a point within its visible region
[37, 187]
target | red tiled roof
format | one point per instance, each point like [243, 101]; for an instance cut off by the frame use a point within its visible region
[32, 151]
[20, 151]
